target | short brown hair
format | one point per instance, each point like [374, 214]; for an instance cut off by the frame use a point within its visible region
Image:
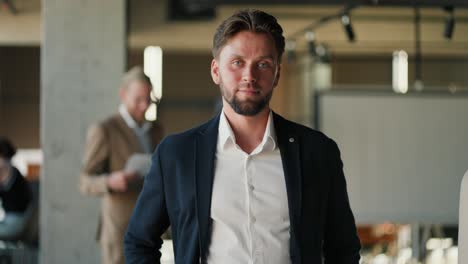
[7, 150]
[250, 20]
[135, 74]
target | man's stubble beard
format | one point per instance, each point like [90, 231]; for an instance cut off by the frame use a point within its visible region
[247, 107]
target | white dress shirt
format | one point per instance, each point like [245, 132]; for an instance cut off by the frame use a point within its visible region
[140, 131]
[249, 204]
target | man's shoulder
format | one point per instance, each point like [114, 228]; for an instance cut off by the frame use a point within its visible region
[103, 128]
[111, 120]
[293, 128]
[188, 136]
[312, 139]
[107, 124]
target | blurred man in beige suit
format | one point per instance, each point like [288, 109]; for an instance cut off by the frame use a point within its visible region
[109, 145]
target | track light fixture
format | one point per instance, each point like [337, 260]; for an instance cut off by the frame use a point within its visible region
[309, 34]
[310, 38]
[449, 22]
[348, 27]
[323, 53]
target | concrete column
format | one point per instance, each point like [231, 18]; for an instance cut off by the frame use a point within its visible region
[82, 60]
[310, 76]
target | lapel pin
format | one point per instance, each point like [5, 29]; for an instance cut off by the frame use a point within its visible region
[291, 140]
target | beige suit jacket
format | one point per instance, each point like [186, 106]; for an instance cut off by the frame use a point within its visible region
[109, 145]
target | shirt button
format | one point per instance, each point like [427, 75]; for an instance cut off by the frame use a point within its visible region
[253, 219]
[252, 188]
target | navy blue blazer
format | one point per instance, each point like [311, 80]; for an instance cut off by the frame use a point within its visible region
[177, 192]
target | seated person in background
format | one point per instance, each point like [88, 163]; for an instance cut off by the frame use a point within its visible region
[15, 193]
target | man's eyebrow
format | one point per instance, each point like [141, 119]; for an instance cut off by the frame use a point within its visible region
[271, 57]
[235, 56]
[268, 57]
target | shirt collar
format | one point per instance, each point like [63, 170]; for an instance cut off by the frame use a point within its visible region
[226, 137]
[131, 122]
[269, 138]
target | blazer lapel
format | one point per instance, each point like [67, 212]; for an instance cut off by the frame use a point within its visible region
[289, 144]
[205, 157]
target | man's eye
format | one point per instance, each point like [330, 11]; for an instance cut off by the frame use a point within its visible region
[263, 65]
[236, 63]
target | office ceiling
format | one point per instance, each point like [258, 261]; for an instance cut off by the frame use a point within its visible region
[378, 29]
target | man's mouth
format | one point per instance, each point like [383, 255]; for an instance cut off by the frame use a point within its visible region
[249, 91]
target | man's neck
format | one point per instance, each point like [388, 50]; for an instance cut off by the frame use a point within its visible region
[248, 130]
[129, 119]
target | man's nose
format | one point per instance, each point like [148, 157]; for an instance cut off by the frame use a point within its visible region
[248, 75]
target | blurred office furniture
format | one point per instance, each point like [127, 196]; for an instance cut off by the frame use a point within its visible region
[28, 162]
[463, 222]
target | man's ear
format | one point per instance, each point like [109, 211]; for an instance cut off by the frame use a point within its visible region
[215, 71]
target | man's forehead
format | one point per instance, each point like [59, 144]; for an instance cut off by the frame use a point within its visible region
[236, 48]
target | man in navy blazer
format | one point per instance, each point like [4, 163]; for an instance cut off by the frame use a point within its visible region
[294, 207]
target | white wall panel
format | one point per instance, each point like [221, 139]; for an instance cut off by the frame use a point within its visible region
[404, 155]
